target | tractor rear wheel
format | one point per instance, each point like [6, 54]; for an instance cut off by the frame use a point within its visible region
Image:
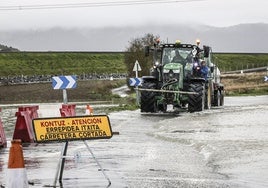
[148, 100]
[207, 96]
[222, 98]
[217, 98]
[196, 102]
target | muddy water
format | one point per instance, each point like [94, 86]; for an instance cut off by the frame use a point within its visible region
[221, 147]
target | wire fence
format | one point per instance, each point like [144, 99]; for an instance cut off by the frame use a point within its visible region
[22, 79]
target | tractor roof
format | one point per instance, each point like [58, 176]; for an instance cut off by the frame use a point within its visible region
[178, 46]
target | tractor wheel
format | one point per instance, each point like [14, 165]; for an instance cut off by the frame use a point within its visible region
[148, 101]
[162, 107]
[222, 98]
[196, 102]
[217, 98]
[208, 97]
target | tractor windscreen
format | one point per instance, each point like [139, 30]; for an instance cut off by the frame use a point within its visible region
[176, 55]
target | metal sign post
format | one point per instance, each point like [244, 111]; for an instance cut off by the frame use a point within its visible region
[266, 77]
[63, 82]
[102, 170]
[65, 147]
[64, 93]
[71, 128]
[137, 68]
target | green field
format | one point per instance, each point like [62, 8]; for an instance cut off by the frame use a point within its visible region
[60, 63]
[64, 63]
[235, 61]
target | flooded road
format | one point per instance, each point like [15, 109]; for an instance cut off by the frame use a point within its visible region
[221, 147]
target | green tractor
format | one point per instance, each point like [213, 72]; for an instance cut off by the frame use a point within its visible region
[176, 79]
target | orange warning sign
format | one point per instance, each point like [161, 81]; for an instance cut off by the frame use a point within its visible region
[72, 128]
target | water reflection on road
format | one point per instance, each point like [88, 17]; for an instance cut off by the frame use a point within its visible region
[221, 147]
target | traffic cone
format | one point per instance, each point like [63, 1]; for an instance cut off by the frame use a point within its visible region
[89, 110]
[16, 173]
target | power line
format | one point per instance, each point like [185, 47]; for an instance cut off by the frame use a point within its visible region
[92, 4]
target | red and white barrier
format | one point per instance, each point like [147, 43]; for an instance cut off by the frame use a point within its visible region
[67, 110]
[23, 128]
[3, 140]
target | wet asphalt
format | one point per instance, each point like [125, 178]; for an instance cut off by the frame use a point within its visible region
[221, 147]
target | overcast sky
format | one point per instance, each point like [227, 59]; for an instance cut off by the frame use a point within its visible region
[35, 14]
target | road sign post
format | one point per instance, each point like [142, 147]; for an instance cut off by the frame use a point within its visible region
[266, 77]
[64, 82]
[65, 99]
[136, 69]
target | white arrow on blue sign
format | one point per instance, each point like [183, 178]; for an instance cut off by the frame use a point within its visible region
[266, 78]
[135, 81]
[64, 82]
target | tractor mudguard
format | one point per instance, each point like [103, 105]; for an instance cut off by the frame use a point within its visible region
[198, 80]
[149, 79]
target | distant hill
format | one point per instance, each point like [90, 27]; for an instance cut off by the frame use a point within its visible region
[4, 48]
[246, 38]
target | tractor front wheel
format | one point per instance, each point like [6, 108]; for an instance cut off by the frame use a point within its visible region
[148, 98]
[196, 102]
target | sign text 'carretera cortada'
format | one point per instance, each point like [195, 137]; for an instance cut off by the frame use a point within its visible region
[72, 128]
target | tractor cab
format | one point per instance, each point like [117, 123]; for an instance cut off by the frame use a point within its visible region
[179, 58]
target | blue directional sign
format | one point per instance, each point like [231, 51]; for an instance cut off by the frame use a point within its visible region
[135, 81]
[64, 82]
[266, 78]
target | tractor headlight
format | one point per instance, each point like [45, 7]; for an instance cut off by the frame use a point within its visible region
[165, 71]
[196, 66]
[176, 71]
[157, 64]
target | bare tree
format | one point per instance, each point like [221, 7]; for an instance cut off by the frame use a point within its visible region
[135, 51]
